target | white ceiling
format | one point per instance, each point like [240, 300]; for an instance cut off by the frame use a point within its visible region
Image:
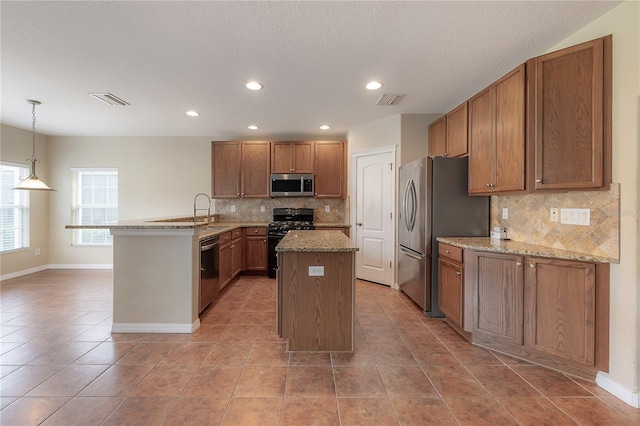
[313, 58]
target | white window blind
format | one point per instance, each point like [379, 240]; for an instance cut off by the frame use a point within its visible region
[95, 202]
[14, 208]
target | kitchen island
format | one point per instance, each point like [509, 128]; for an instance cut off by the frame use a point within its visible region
[316, 290]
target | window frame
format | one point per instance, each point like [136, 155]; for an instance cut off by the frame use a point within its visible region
[87, 237]
[24, 208]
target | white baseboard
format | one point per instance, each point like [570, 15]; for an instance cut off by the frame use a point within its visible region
[155, 327]
[55, 266]
[24, 272]
[81, 266]
[620, 392]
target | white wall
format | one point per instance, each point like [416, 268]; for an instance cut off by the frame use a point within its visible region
[16, 147]
[157, 177]
[624, 23]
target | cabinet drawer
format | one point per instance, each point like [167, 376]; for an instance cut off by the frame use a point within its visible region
[257, 230]
[236, 233]
[450, 252]
[225, 237]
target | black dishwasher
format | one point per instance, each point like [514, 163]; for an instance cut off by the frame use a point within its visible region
[209, 272]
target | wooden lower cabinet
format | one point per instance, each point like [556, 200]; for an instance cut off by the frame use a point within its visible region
[255, 249]
[498, 296]
[549, 311]
[225, 264]
[451, 283]
[230, 256]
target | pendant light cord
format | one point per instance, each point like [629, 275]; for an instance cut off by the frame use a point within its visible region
[33, 132]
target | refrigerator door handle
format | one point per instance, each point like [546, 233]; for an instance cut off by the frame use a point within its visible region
[409, 203]
[411, 254]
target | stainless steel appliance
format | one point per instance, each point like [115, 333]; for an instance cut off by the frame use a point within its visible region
[209, 272]
[284, 220]
[433, 203]
[291, 185]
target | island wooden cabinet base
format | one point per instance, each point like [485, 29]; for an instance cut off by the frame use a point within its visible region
[316, 313]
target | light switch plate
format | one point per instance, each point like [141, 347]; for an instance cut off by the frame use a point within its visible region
[316, 271]
[262, 209]
[327, 209]
[575, 217]
[505, 213]
[233, 209]
[553, 214]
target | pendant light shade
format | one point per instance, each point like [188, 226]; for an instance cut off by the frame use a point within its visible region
[32, 183]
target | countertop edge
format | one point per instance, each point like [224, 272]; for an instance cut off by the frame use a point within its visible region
[517, 247]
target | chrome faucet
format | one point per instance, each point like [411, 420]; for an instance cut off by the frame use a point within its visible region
[195, 209]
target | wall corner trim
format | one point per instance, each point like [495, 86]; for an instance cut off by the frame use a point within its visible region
[605, 382]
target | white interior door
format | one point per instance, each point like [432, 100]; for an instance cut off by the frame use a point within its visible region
[375, 215]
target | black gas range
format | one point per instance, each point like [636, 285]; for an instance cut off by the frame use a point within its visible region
[285, 220]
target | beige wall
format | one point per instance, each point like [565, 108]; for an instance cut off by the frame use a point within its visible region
[16, 147]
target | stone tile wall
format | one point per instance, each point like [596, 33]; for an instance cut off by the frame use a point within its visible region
[529, 220]
[248, 209]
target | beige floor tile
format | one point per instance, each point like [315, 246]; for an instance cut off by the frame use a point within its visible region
[253, 411]
[366, 411]
[197, 412]
[310, 382]
[141, 411]
[84, 411]
[31, 411]
[307, 411]
[258, 382]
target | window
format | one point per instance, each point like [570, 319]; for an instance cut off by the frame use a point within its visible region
[14, 209]
[95, 202]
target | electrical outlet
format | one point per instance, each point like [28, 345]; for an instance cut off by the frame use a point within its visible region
[262, 209]
[316, 271]
[505, 213]
[553, 214]
[37, 252]
[327, 209]
[233, 209]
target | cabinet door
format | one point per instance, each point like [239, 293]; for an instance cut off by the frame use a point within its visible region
[457, 131]
[225, 264]
[481, 143]
[225, 176]
[510, 131]
[561, 309]
[498, 299]
[281, 161]
[256, 253]
[236, 257]
[450, 290]
[255, 169]
[303, 157]
[437, 146]
[292, 157]
[570, 117]
[330, 169]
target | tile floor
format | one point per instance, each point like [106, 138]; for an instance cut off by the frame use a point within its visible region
[60, 364]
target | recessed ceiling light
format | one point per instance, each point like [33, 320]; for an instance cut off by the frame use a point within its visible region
[253, 85]
[373, 85]
[253, 127]
[325, 127]
[192, 113]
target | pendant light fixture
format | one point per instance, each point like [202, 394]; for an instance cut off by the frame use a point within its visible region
[32, 183]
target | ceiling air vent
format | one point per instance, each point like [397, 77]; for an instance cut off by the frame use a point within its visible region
[109, 98]
[390, 99]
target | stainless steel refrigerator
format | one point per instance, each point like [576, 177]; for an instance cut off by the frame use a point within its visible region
[433, 203]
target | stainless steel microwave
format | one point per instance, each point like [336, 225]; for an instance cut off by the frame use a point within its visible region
[291, 185]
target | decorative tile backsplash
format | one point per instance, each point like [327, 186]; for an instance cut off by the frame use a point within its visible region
[249, 209]
[529, 220]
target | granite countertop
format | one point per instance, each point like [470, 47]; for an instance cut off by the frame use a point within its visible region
[316, 241]
[517, 247]
[331, 225]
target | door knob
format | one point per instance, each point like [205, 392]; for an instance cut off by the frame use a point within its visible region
[359, 223]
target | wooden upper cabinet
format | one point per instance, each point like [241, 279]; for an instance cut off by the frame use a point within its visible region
[292, 157]
[240, 169]
[457, 131]
[330, 169]
[255, 169]
[571, 113]
[497, 139]
[225, 175]
[448, 134]
[438, 138]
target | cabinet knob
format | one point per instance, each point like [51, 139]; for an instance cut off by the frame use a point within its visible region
[538, 180]
[458, 273]
[264, 241]
[518, 263]
[488, 185]
[447, 251]
[255, 231]
[445, 154]
[532, 265]
[238, 194]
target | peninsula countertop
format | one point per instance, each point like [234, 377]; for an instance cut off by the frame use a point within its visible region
[316, 241]
[518, 247]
